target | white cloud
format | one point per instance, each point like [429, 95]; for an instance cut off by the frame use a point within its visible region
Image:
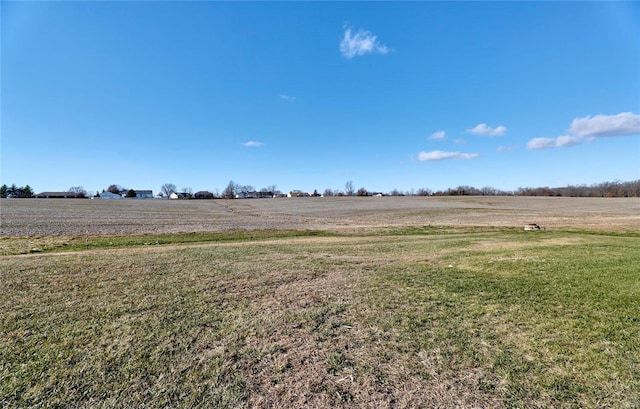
[484, 129]
[567, 140]
[505, 149]
[361, 43]
[441, 155]
[438, 136]
[599, 126]
[252, 144]
[541, 143]
[287, 98]
[625, 123]
[560, 141]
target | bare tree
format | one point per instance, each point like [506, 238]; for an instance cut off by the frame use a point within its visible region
[230, 191]
[115, 189]
[167, 189]
[348, 188]
[245, 189]
[79, 190]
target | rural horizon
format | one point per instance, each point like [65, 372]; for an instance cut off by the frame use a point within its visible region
[233, 190]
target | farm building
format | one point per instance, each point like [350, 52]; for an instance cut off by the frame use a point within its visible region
[203, 194]
[59, 195]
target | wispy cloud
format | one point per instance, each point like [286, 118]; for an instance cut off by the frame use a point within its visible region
[505, 149]
[252, 144]
[485, 130]
[361, 43]
[588, 127]
[441, 155]
[287, 98]
[438, 136]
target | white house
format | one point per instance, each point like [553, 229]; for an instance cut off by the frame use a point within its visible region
[109, 195]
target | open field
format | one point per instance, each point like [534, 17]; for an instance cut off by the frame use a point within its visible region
[420, 302]
[56, 217]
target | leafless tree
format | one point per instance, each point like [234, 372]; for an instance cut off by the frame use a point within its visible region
[79, 190]
[167, 189]
[230, 191]
[115, 189]
[348, 188]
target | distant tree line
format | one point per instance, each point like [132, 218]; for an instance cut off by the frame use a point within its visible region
[605, 189]
[234, 190]
[15, 191]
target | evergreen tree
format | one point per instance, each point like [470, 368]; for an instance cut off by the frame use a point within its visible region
[27, 191]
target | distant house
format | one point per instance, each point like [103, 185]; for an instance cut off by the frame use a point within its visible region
[179, 195]
[109, 195]
[60, 195]
[254, 195]
[298, 193]
[144, 194]
[264, 194]
[203, 194]
[245, 195]
[140, 194]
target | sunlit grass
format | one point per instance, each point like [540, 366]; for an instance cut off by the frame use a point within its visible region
[419, 317]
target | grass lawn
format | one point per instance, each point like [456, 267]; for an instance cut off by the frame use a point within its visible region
[419, 317]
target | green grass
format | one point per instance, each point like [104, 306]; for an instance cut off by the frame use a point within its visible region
[13, 246]
[551, 325]
[420, 317]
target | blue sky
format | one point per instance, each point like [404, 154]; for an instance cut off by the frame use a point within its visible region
[309, 95]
